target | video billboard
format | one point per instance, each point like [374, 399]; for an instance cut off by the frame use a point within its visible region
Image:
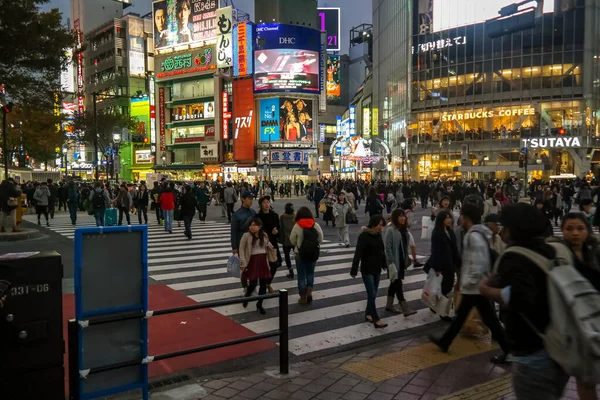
[334, 91]
[140, 110]
[286, 59]
[243, 120]
[286, 119]
[183, 21]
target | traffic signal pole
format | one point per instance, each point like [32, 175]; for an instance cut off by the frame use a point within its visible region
[4, 152]
[94, 96]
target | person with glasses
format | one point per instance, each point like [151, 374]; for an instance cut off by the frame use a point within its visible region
[370, 258]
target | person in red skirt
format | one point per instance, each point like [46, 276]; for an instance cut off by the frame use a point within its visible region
[253, 260]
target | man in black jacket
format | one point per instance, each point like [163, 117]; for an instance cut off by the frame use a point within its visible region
[317, 197]
[520, 285]
[271, 227]
[155, 194]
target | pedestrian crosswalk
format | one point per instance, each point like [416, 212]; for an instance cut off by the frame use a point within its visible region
[197, 269]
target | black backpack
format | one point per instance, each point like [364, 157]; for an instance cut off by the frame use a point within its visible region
[310, 248]
[98, 200]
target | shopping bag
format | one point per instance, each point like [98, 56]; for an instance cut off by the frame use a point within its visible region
[233, 267]
[110, 216]
[432, 289]
[473, 326]
[444, 305]
[426, 227]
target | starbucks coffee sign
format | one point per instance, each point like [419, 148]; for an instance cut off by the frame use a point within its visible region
[552, 142]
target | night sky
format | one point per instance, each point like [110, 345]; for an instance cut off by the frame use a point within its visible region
[354, 12]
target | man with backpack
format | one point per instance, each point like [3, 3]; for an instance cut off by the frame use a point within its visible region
[477, 259]
[306, 237]
[99, 201]
[521, 286]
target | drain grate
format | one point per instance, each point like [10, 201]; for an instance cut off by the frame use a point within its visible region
[169, 382]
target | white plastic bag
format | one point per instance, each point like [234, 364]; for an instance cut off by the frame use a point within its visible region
[233, 267]
[432, 289]
[426, 227]
[444, 304]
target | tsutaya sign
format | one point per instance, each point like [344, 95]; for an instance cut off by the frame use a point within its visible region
[552, 142]
[461, 116]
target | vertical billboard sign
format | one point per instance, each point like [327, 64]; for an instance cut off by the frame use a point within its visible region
[352, 122]
[224, 37]
[137, 61]
[67, 82]
[178, 22]
[269, 120]
[242, 49]
[322, 76]
[243, 120]
[322, 133]
[140, 109]
[338, 126]
[375, 122]
[163, 124]
[226, 115]
[366, 122]
[329, 18]
[152, 116]
[334, 93]
[80, 106]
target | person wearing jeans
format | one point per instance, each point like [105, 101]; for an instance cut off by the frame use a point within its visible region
[167, 205]
[370, 258]
[305, 269]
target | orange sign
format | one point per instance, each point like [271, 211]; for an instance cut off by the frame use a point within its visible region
[212, 170]
[243, 120]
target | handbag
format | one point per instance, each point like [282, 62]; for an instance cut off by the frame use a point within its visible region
[12, 202]
[322, 207]
[351, 219]
[272, 254]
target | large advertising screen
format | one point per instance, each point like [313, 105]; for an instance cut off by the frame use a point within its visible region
[183, 21]
[334, 91]
[140, 110]
[243, 120]
[286, 70]
[452, 13]
[286, 58]
[286, 119]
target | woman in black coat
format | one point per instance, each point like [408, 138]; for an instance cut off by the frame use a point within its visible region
[272, 228]
[445, 257]
[370, 257]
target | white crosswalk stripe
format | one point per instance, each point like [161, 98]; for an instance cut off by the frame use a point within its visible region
[197, 269]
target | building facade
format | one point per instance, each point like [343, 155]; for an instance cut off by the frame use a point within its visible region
[482, 105]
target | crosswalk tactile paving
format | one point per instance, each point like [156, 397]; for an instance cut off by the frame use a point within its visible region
[416, 358]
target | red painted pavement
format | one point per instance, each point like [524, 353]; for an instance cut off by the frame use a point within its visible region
[185, 330]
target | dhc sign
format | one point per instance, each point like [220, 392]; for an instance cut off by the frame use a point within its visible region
[553, 142]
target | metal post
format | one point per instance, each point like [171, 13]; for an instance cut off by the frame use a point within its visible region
[284, 362]
[269, 157]
[66, 168]
[94, 95]
[73, 343]
[4, 149]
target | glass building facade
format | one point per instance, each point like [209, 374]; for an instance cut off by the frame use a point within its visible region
[474, 99]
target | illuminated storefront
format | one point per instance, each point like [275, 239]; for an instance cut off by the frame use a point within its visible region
[188, 104]
[473, 98]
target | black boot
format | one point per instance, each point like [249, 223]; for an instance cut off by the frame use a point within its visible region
[260, 308]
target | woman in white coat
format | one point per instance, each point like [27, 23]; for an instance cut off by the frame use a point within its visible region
[341, 208]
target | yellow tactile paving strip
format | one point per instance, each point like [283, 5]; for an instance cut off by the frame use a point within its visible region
[492, 390]
[416, 358]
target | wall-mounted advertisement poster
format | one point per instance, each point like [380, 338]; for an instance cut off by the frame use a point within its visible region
[286, 119]
[334, 91]
[178, 22]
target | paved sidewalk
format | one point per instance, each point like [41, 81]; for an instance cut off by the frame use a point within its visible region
[404, 370]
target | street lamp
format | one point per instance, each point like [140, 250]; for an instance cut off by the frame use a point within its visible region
[116, 142]
[403, 153]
